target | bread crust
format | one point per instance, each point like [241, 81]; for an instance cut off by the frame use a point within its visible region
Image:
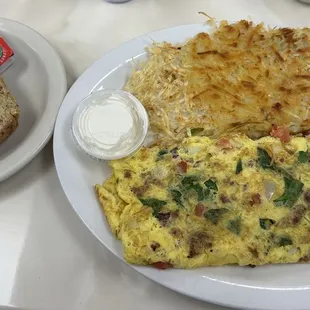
[9, 112]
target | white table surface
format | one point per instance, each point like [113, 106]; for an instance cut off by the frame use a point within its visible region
[48, 259]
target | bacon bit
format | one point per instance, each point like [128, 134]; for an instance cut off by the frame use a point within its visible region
[164, 217]
[298, 214]
[127, 174]
[224, 199]
[174, 214]
[140, 190]
[155, 245]
[307, 197]
[224, 144]
[255, 199]
[176, 232]
[198, 242]
[253, 251]
[199, 210]
[183, 166]
[162, 265]
[305, 259]
[281, 132]
[174, 153]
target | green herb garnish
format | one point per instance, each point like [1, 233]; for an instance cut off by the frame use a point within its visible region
[199, 190]
[211, 185]
[177, 196]
[235, 226]
[189, 180]
[266, 162]
[292, 191]
[264, 159]
[214, 214]
[266, 223]
[196, 131]
[239, 166]
[284, 241]
[161, 154]
[154, 203]
[303, 157]
[206, 193]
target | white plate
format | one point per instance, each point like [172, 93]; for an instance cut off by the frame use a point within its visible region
[271, 287]
[37, 80]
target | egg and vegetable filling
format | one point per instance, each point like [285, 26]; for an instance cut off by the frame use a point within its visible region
[212, 202]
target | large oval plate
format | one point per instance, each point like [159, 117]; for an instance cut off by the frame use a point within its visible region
[37, 79]
[271, 287]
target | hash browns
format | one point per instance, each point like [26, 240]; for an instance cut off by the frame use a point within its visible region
[242, 77]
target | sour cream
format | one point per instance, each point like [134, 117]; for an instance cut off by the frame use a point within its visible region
[109, 124]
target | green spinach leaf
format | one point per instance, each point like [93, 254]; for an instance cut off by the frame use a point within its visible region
[303, 157]
[292, 191]
[189, 180]
[235, 226]
[284, 241]
[211, 185]
[154, 203]
[264, 159]
[266, 223]
[199, 190]
[239, 166]
[196, 131]
[177, 197]
[161, 154]
[213, 215]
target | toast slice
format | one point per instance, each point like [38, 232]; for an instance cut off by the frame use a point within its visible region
[9, 112]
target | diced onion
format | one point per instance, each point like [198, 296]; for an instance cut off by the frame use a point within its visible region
[293, 251]
[270, 188]
[193, 149]
[160, 173]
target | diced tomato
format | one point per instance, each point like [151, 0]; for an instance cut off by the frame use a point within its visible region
[199, 209]
[281, 132]
[255, 199]
[183, 166]
[224, 144]
[162, 265]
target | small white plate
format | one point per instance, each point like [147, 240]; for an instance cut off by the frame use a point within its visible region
[37, 80]
[282, 287]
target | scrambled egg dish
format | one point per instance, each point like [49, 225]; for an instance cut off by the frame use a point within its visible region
[240, 78]
[212, 202]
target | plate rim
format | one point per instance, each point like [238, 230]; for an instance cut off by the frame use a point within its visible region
[46, 121]
[277, 298]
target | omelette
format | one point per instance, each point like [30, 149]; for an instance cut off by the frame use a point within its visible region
[212, 202]
[241, 77]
